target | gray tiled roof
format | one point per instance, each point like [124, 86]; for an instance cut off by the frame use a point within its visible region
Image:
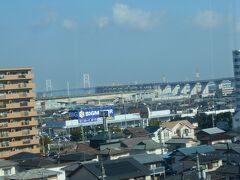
[148, 158]
[119, 169]
[179, 140]
[7, 163]
[34, 174]
[214, 130]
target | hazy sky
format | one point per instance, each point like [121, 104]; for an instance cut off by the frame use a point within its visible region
[119, 41]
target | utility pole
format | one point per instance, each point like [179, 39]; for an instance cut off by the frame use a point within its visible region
[104, 115]
[198, 167]
[43, 144]
[213, 110]
[103, 169]
[82, 130]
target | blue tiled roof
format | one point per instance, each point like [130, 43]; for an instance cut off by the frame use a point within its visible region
[196, 149]
[152, 129]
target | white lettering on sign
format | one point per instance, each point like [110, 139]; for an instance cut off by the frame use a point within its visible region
[92, 113]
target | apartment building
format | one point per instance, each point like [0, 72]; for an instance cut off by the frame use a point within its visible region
[18, 126]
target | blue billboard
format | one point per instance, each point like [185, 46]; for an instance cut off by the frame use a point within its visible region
[91, 114]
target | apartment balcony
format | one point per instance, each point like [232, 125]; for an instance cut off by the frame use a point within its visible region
[23, 142]
[158, 170]
[17, 86]
[30, 104]
[17, 96]
[18, 124]
[30, 123]
[16, 77]
[26, 95]
[18, 114]
[19, 134]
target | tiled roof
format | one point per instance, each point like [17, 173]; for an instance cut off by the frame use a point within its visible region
[179, 140]
[213, 130]
[133, 141]
[23, 155]
[172, 124]
[136, 132]
[197, 149]
[151, 129]
[38, 162]
[85, 148]
[125, 168]
[228, 169]
[71, 157]
[116, 151]
[150, 144]
[7, 163]
[147, 158]
[34, 174]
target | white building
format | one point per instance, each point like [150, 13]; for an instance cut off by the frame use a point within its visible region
[236, 67]
[180, 129]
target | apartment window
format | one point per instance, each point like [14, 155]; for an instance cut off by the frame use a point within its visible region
[7, 171]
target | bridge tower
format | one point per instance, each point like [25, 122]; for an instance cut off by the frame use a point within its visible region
[49, 86]
[86, 81]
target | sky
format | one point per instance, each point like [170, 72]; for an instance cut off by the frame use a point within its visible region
[119, 42]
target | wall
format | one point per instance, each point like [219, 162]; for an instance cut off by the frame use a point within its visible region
[60, 176]
[13, 170]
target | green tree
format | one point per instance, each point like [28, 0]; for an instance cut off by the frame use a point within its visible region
[45, 140]
[76, 134]
[154, 123]
[205, 121]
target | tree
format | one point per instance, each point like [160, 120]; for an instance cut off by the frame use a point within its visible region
[45, 140]
[154, 123]
[76, 134]
[205, 121]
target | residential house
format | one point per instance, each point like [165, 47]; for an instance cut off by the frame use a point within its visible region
[143, 145]
[230, 152]
[35, 163]
[189, 175]
[113, 150]
[125, 168]
[181, 129]
[174, 161]
[159, 134]
[153, 162]
[103, 138]
[229, 172]
[85, 148]
[76, 156]
[114, 153]
[7, 167]
[23, 156]
[208, 162]
[176, 143]
[134, 132]
[212, 136]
